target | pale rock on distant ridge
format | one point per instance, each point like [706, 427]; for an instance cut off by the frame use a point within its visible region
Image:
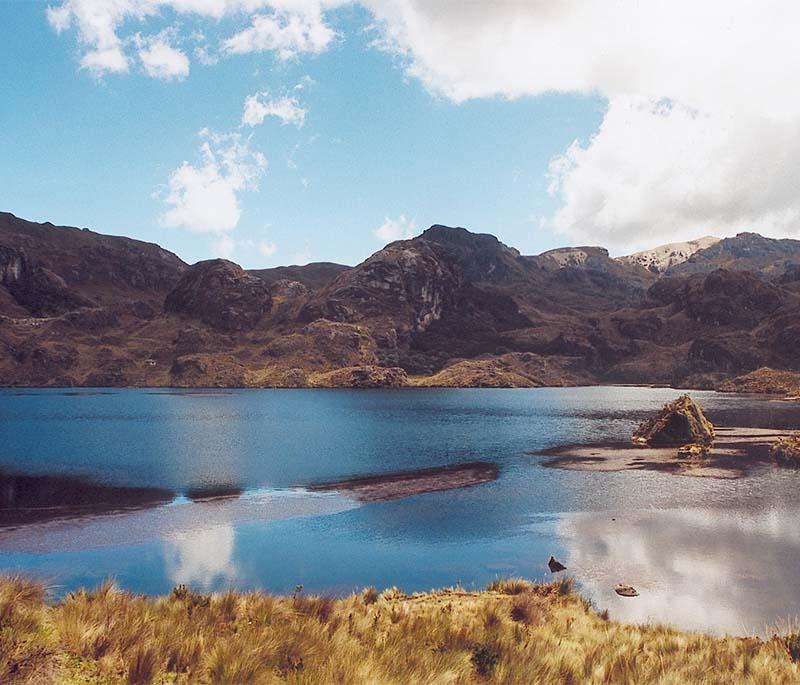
[661, 258]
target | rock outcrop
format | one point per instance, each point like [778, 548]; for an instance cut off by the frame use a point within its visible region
[220, 294]
[362, 377]
[679, 423]
[765, 380]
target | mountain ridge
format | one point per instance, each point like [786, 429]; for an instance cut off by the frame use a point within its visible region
[447, 307]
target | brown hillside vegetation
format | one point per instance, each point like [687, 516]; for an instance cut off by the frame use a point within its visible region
[513, 632]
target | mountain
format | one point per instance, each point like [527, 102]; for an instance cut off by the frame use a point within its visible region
[313, 276]
[660, 259]
[448, 307]
[769, 257]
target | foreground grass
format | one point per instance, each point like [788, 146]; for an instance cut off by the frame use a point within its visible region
[513, 632]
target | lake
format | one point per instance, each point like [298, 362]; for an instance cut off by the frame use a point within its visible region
[155, 488]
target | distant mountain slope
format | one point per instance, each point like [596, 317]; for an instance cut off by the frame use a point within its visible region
[663, 257]
[314, 275]
[82, 265]
[770, 257]
[448, 307]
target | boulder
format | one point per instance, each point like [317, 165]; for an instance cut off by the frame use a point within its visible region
[680, 422]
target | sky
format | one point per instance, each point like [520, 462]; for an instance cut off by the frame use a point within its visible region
[287, 131]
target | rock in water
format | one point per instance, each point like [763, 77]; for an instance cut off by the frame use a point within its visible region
[787, 450]
[555, 566]
[626, 591]
[693, 451]
[680, 422]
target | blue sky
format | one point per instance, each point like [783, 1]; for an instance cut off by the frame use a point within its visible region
[462, 135]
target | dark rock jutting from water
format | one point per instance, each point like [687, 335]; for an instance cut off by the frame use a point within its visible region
[680, 423]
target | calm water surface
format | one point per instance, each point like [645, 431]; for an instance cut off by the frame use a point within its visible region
[716, 555]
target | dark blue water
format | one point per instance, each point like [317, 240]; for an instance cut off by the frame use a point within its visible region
[718, 555]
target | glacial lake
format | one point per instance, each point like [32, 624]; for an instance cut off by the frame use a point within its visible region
[214, 489]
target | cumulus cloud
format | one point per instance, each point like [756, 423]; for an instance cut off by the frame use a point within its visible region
[701, 131]
[258, 107]
[287, 27]
[161, 60]
[400, 228]
[288, 34]
[204, 197]
[660, 169]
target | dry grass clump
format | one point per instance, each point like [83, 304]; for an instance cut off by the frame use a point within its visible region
[512, 632]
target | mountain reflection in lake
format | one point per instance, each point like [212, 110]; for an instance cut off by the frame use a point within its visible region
[268, 489]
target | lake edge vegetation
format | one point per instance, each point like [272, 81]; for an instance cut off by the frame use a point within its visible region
[514, 631]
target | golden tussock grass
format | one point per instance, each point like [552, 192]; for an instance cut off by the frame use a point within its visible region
[512, 632]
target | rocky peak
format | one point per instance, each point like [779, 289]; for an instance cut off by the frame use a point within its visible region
[221, 294]
[474, 257]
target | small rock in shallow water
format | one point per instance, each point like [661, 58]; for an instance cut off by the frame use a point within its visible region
[626, 591]
[693, 451]
[555, 566]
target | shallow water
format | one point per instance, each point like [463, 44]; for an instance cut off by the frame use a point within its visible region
[710, 554]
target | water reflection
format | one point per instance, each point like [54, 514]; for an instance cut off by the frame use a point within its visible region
[720, 571]
[30, 499]
[202, 559]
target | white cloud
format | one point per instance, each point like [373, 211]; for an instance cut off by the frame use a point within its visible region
[285, 33]
[204, 197]
[287, 27]
[161, 60]
[400, 228]
[287, 109]
[701, 131]
[657, 171]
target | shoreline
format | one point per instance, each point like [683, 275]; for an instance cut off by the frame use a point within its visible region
[735, 451]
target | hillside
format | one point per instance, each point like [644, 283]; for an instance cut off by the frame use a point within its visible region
[449, 307]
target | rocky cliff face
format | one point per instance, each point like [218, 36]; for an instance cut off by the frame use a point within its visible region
[449, 307]
[40, 291]
[220, 294]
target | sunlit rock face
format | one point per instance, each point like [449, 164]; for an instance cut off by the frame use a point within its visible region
[659, 259]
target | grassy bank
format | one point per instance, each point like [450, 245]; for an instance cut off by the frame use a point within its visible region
[513, 632]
